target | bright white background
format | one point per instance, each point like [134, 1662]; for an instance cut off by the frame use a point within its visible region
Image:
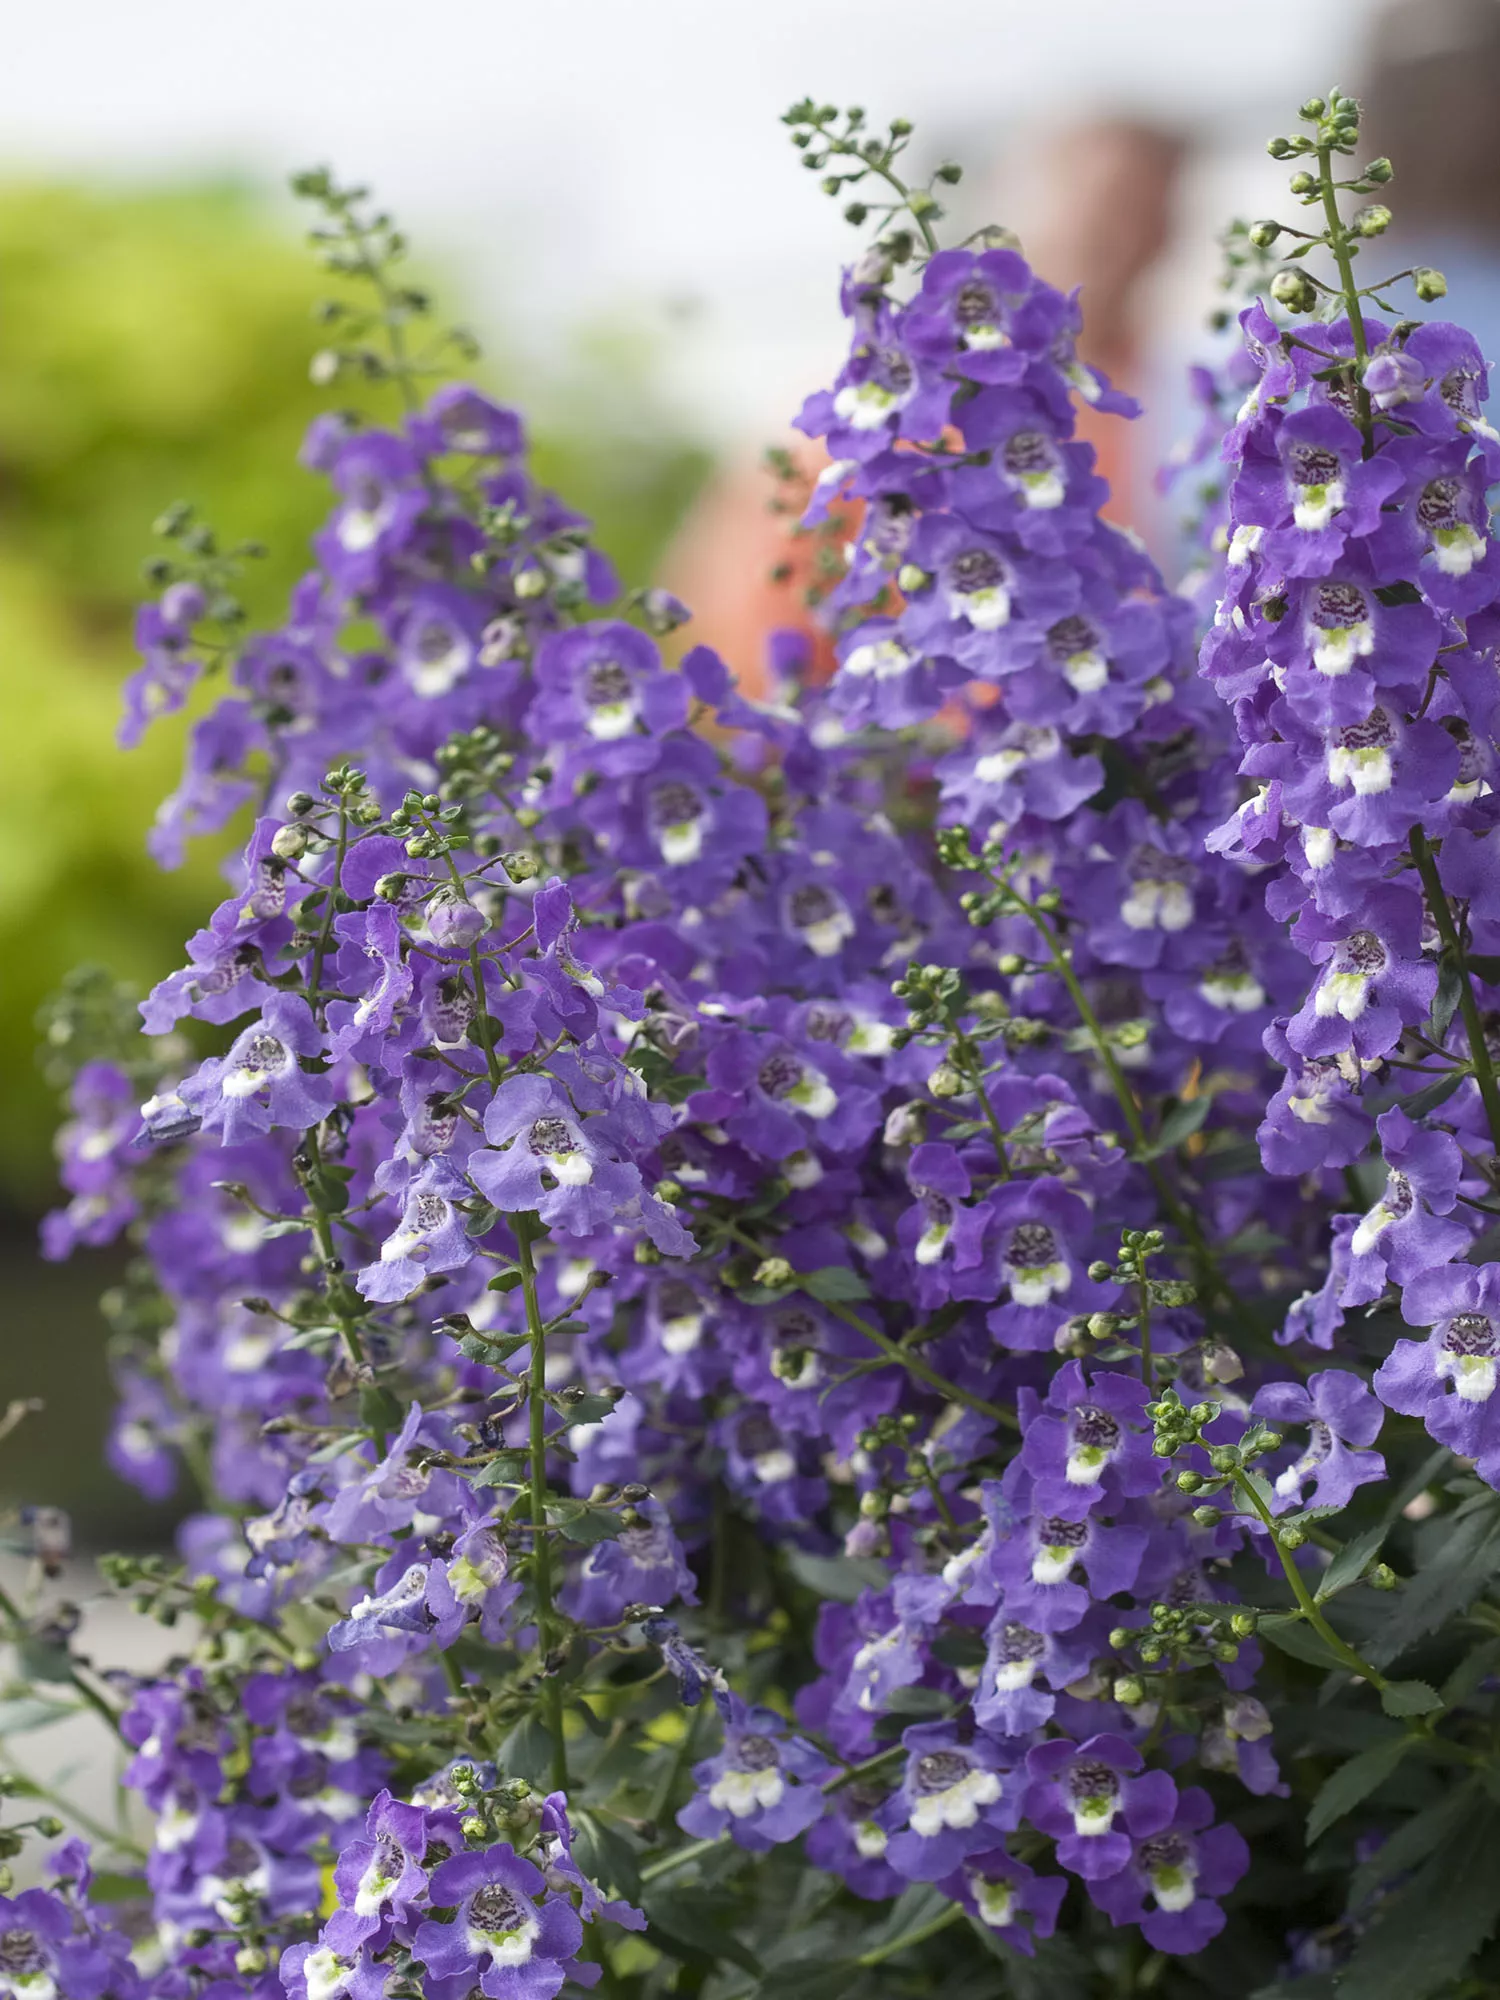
[575, 159]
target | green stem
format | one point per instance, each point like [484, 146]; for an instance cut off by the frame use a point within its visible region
[1442, 916]
[541, 1552]
[1338, 243]
[909, 1938]
[1143, 1315]
[972, 1068]
[680, 1857]
[1209, 1274]
[1303, 1595]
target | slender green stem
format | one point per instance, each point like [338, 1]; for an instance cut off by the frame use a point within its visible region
[1338, 243]
[541, 1551]
[681, 1856]
[1143, 1315]
[1304, 1596]
[905, 1942]
[1442, 916]
[857, 1771]
[1209, 1275]
[971, 1066]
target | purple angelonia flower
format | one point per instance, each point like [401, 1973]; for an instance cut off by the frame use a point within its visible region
[762, 1788]
[1176, 1869]
[510, 1946]
[1342, 1416]
[1449, 1379]
[1079, 1790]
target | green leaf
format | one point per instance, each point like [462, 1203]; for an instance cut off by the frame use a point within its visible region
[32, 1712]
[1350, 1564]
[491, 1347]
[834, 1283]
[582, 1522]
[608, 1856]
[379, 1409]
[502, 1470]
[1409, 1698]
[1354, 1781]
[1475, 1667]
[590, 1409]
[1444, 1001]
[1413, 1840]
[288, 1226]
[1293, 1635]
[1431, 1095]
[1426, 1933]
[693, 1924]
[843, 1578]
[1458, 1569]
[1180, 1123]
[508, 1281]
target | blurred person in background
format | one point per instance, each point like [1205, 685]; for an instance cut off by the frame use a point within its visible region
[1106, 193]
[1433, 81]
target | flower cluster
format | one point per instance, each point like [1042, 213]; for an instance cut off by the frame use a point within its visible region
[1354, 640]
[689, 1196]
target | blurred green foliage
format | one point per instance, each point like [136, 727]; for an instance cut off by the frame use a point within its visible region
[154, 346]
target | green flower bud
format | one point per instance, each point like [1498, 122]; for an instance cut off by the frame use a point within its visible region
[1264, 234]
[1373, 220]
[1380, 171]
[1242, 1624]
[289, 843]
[1290, 1538]
[1382, 1577]
[1208, 1517]
[1430, 284]
[1120, 1638]
[1129, 1691]
[774, 1273]
[945, 1081]
[1303, 183]
[1189, 1482]
[911, 578]
[1294, 290]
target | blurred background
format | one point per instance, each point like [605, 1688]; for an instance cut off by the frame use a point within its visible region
[603, 190]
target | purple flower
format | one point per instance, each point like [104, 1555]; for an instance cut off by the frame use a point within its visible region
[1007, 1897]
[762, 1788]
[957, 1796]
[1176, 1869]
[261, 1082]
[511, 1946]
[430, 1236]
[382, 1875]
[1078, 1791]
[1087, 1442]
[1408, 1230]
[545, 1156]
[1449, 1379]
[1341, 1415]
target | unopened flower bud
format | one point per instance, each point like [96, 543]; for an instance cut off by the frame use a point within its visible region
[1382, 1577]
[1130, 1691]
[453, 922]
[473, 1828]
[1429, 284]
[390, 888]
[1242, 1624]
[289, 843]
[1380, 171]
[250, 1958]
[521, 866]
[1303, 183]
[1294, 290]
[911, 578]
[1189, 1482]
[774, 1273]
[1290, 1537]
[945, 1081]
[1373, 220]
[1264, 234]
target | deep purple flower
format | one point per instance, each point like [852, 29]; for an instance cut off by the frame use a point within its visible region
[762, 1788]
[511, 1946]
[261, 1082]
[1342, 1416]
[1079, 1790]
[1175, 1871]
[1449, 1379]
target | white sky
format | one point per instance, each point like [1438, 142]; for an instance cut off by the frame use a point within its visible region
[573, 157]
